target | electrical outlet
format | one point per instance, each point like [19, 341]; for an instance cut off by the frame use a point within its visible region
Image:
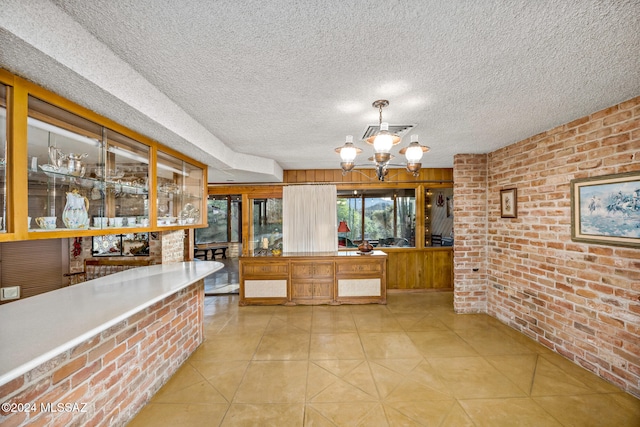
[11, 292]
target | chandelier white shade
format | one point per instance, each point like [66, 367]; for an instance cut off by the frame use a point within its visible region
[414, 151]
[348, 153]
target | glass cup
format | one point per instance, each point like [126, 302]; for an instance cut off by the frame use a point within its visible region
[28, 222]
[100, 221]
[117, 222]
[131, 221]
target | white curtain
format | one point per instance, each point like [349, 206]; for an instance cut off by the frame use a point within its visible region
[309, 218]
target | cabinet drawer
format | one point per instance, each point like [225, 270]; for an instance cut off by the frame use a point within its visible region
[309, 270]
[265, 269]
[359, 267]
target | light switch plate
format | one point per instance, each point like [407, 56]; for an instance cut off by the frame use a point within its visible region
[10, 292]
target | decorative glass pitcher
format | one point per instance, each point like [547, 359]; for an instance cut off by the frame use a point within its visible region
[75, 214]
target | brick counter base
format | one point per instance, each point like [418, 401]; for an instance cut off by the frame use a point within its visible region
[107, 379]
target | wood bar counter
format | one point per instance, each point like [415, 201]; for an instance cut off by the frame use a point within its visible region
[317, 278]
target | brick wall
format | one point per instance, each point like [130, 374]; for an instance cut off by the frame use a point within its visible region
[114, 373]
[581, 300]
[470, 227]
[173, 246]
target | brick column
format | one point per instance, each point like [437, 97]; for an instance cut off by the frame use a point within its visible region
[173, 246]
[470, 228]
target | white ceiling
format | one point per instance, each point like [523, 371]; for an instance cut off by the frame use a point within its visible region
[252, 87]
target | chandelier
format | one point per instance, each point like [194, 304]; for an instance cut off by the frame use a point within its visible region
[382, 142]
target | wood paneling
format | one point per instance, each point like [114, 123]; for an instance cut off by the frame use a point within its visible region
[366, 176]
[412, 269]
[36, 267]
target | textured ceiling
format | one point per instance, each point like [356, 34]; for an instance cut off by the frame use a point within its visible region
[256, 86]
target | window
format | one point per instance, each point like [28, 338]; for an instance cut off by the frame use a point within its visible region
[267, 224]
[224, 216]
[386, 218]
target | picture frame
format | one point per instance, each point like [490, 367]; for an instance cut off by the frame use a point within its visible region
[606, 209]
[509, 203]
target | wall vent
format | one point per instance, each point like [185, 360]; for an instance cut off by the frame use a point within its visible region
[400, 130]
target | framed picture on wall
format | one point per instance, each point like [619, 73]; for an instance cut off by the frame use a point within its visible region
[606, 209]
[509, 203]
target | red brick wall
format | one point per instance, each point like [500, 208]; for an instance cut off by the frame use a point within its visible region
[115, 372]
[470, 227]
[581, 300]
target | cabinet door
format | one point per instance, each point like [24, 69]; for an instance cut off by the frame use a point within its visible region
[82, 175]
[64, 150]
[180, 194]
[301, 270]
[302, 289]
[323, 269]
[126, 181]
[323, 289]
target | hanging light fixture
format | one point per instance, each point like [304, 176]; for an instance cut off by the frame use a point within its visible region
[414, 153]
[348, 153]
[382, 142]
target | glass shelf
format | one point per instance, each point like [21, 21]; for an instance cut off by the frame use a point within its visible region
[180, 198]
[101, 184]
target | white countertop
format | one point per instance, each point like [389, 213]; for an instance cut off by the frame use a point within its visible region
[36, 329]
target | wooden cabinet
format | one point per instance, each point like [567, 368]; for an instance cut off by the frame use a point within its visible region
[263, 281]
[361, 282]
[76, 173]
[343, 278]
[429, 268]
[312, 281]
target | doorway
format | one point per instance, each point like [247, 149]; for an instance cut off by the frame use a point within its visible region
[224, 218]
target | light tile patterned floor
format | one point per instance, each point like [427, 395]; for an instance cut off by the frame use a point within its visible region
[412, 362]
